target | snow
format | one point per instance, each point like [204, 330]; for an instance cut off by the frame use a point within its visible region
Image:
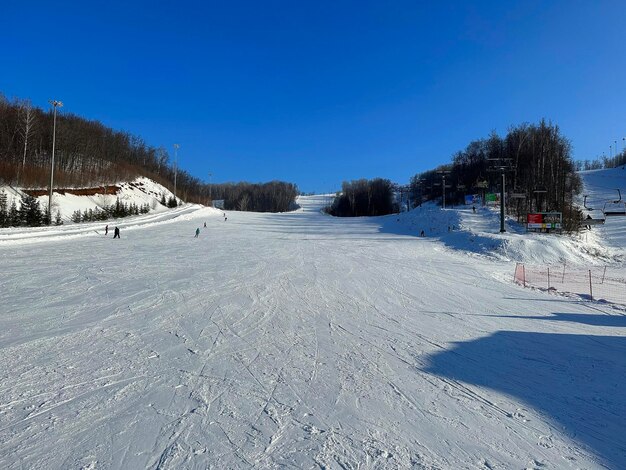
[139, 191]
[301, 340]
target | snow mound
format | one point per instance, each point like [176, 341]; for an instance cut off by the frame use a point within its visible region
[478, 234]
[140, 191]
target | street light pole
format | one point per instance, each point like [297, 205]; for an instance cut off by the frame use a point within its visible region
[55, 104]
[176, 146]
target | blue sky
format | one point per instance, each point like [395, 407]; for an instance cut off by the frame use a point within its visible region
[320, 92]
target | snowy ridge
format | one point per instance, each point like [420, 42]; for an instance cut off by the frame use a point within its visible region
[140, 191]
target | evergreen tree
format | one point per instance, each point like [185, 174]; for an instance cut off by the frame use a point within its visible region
[30, 212]
[4, 210]
[163, 201]
[14, 215]
[57, 220]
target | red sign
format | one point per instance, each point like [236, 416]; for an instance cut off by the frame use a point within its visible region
[535, 218]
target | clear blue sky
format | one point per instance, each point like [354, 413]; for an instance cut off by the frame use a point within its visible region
[323, 91]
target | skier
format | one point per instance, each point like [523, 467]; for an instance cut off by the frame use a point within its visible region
[197, 232]
[116, 233]
[474, 209]
[422, 234]
[106, 230]
[205, 225]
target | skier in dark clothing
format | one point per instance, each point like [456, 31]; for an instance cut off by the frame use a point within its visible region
[106, 230]
[116, 233]
[197, 232]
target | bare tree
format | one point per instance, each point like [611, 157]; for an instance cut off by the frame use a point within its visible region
[27, 125]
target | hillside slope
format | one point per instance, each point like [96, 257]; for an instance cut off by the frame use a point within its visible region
[302, 340]
[139, 192]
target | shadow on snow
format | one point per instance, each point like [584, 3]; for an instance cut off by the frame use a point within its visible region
[577, 381]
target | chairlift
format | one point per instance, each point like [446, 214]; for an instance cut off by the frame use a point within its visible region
[585, 196]
[615, 207]
[619, 193]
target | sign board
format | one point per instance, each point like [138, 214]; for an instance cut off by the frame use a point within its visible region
[492, 199]
[472, 199]
[544, 221]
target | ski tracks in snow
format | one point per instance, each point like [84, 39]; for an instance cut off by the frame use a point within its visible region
[292, 340]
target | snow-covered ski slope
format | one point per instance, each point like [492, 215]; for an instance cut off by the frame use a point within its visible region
[602, 189]
[303, 341]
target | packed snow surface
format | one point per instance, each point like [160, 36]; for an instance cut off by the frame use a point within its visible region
[301, 340]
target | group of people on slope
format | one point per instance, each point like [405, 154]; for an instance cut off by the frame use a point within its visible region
[198, 229]
[116, 232]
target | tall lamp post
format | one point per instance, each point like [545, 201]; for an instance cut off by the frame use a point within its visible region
[55, 104]
[176, 146]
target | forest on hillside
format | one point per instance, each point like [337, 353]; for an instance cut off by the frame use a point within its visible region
[535, 160]
[88, 154]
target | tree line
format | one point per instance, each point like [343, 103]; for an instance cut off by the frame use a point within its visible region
[29, 214]
[275, 196]
[87, 153]
[601, 162]
[363, 198]
[114, 211]
[535, 159]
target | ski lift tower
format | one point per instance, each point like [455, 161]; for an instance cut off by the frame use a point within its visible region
[501, 165]
[443, 174]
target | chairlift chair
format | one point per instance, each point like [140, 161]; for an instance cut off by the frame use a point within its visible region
[615, 207]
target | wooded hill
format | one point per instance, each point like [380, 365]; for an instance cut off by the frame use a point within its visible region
[89, 154]
[536, 161]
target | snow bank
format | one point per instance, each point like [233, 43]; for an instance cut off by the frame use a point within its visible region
[140, 191]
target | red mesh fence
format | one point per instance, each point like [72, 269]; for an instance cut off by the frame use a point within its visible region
[595, 283]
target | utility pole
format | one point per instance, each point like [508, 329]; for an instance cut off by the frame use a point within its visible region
[56, 104]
